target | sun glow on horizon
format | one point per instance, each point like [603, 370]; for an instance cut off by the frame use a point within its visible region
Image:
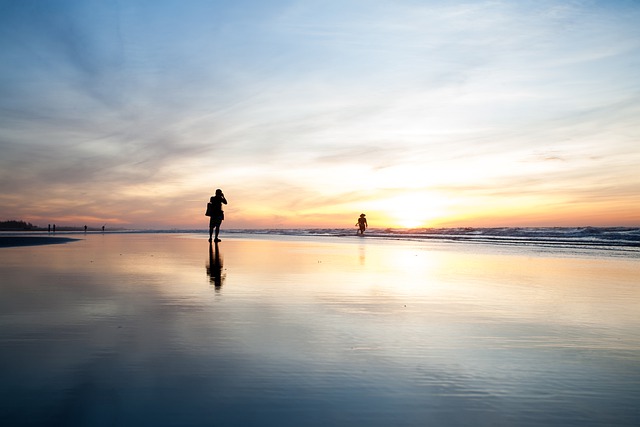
[413, 210]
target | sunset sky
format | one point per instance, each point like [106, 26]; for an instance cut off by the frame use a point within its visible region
[307, 113]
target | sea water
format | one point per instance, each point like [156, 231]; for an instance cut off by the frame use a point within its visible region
[164, 329]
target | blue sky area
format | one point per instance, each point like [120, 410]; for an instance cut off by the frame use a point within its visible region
[420, 113]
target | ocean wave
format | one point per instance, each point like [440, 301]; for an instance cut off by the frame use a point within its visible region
[556, 236]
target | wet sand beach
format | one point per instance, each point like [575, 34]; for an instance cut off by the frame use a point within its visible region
[166, 330]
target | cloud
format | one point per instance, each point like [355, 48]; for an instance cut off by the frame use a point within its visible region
[297, 106]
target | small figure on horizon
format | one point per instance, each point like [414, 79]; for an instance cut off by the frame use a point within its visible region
[49, 228]
[85, 228]
[54, 228]
[215, 213]
[362, 223]
[103, 228]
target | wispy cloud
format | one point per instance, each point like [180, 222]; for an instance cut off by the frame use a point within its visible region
[134, 112]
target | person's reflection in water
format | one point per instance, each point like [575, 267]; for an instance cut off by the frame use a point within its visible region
[363, 254]
[214, 266]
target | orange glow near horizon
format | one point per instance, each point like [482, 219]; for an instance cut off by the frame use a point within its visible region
[407, 210]
[410, 209]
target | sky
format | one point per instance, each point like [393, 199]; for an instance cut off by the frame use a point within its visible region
[307, 113]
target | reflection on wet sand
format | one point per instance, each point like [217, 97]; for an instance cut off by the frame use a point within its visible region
[125, 329]
[214, 266]
[362, 254]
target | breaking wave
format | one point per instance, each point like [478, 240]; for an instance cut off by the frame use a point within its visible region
[601, 237]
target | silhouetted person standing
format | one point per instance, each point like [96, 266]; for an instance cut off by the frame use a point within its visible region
[215, 212]
[362, 223]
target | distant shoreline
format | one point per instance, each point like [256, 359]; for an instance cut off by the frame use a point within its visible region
[15, 241]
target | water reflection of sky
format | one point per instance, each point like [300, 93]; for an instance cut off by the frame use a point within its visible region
[136, 330]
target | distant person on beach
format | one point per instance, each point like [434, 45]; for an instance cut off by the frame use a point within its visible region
[215, 213]
[362, 223]
[85, 228]
[103, 228]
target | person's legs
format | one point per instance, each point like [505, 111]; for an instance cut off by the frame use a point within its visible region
[211, 225]
[216, 225]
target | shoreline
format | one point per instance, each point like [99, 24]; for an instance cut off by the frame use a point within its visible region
[618, 243]
[18, 241]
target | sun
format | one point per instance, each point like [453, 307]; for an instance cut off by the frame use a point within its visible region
[410, 223]
[416, 209]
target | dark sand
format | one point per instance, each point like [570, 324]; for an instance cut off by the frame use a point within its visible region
[13, 241]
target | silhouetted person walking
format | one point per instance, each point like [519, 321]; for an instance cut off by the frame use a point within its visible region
[362, 223]
[214, 211]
